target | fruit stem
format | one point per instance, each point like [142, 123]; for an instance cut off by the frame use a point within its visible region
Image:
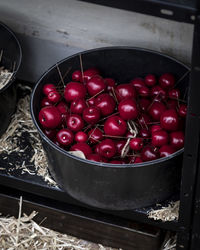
[113, 91]
[125, 149]
[108, 116]
[61, 78]
[182, 77]
[81, 64]
[95, 95]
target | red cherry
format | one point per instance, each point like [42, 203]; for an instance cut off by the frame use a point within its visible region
[177, 139]
[116, 162]
[45, 102]
[65, 137]
[94, 157]
[50, 117]
[167, 81]
[149, 154]
[119, 146]
[81, 136]
[174, 93]
[137, 83]
[74, 90]
[144, 104]
[95, 135]
[135, 159]
[144, 133]
[182, 111]
[155, 128]
[91, 115]
[107, 148]
[172, 104]
[54, 96]
[96, 148]
[144, 120]
[129, 134]
[95, 85]
[48, 88]
[144, 91]
[50, 133]
[105, 103]
[75, 122]
[138, 159]
[128, 109]
[91, 101]
[136, 144]
[89, 73]
[159, 138]
[62, 107]
[115, 126]
[110, 83]
[156, 110]
[78, 106]
[150, 80]
[77, 76]
[169, 120]
[158, 92]
[124, 91]
[82, 146]
[166, 150]
[58, 143]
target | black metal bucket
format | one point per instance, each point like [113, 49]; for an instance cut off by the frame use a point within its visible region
[11, 60]
[108, 186]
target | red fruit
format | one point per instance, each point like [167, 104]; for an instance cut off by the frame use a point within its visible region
[177, 139]
[144, 104]
[159, 138]
[45, 102]
[172, 104]
[144, 133]
[166, 150]
[150, 80]
[144, 120]
[58, 143]
[95, 85]
[65, 137]
[124, 91]
[129, 134]
[149, 153]
[115, 126]
[182, 111]
[50, 133]
[105, 103]
[96, 148]
[158, 92]
[95, 135]
[155, 128]
[54, 96]
[82, 146]
[77, 76]
[62, 107]
[91, 115]
[138, 159]
[167, 81]
[50, 117]
[81, 136]
[174, 93]
[78, 106]
[110, 83]
[169, 120]
[137, 83]
[94, 157]
[136, 144]
[156, 110]
[144, 91]
[48, 88]
[74, 90]
[128, 109]
[75, 122]
[107, 148]
[89, 73]
[91, 101]
[119, 146]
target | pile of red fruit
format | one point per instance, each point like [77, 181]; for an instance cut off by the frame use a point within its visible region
[124, 123]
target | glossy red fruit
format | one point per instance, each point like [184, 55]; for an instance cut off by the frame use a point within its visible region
[91, 101]
[156, 110]
[95, 85]
[174, 93]
[105, 103]
[110, 83]
[96, 148]
[54, 96]
[172, 104]
[57, 143]
[138, 159]
[45, 102]
[94, 157]
[82, 146]
[50, 117]
[128, 109]
[80, 136]
[115, 126]
[119, 145]
[144, 133]
[77, 76]
[182, 111]
[136, 144]
[144, 104]
[77, 106]
[166, 150]
[91, 115]
[75, 122]
[159, 138]
[155, 128]
[169, 120]
[89, 73]
[144, 91]
[135, 159]
[177, 139]
[137, 83]
[167, 81]
[62, 107]
[158, 92]
[50, 133]
[124, 91]
[74, 90]
[95, 135]
[150, 80]
[107, 148]
[48, 88]
[149, 153]
[65, 137]
[144, 120]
